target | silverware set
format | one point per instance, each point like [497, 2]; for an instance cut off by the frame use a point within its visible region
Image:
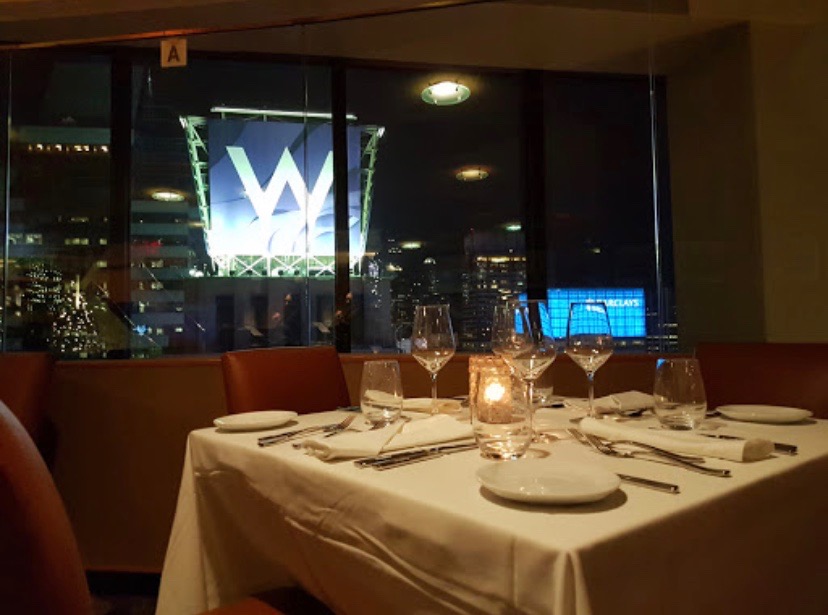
[403, 458]
[287, 436]
[611, 448]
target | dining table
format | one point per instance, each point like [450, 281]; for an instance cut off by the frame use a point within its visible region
[429, 538]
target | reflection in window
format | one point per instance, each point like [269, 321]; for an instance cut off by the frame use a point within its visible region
[435, 234]
[59, 180]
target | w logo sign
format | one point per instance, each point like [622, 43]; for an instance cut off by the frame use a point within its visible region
[286, 174]
[271, 190]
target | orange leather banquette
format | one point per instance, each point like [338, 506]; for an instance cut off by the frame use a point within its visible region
[766, 373]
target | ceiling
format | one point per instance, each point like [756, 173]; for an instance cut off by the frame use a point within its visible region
[583, 35]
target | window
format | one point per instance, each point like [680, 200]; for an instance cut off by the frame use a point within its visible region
[434, 235]
[228, 236]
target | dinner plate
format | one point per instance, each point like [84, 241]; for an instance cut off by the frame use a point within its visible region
[251, 421]
[764, 414]
[548, 482]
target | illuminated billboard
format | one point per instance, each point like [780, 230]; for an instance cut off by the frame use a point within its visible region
[626, 308]
[271, 190]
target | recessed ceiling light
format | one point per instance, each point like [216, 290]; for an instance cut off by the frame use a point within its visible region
[472, 174]
[411, 245]
[445, 93]
[512, 227]
[168, 196]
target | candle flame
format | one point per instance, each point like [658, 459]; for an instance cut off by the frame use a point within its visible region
[494, 392]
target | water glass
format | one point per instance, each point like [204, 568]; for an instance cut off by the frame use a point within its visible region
[502, 428]
[381, 394]
[680, 402]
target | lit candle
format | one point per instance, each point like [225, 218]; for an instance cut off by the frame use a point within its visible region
[494, 392]
[490, 388]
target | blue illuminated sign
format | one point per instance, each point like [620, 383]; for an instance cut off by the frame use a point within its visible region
[626, 308]
[271, 188]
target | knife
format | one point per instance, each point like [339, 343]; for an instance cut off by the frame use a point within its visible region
[287, 435]
[384, 462]
[779, 447]
[652, 484]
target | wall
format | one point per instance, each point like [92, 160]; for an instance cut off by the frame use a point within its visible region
[747, 128]
[716, 227]
[790, 73]
[122, 429]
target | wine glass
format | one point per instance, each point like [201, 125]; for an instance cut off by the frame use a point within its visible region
[432, 342]
[589, 340]
[522, 335]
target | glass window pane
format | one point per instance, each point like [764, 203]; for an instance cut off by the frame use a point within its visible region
[232, 208]
[440, 187]
[600, 234]
[59, 188]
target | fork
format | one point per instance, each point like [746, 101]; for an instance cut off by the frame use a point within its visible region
[307, 431]
[346, 422]
[608, 448]
[653, 449]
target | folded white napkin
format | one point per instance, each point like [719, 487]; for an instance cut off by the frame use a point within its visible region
[423, 404]
[680, 442]
[617, 402]
[419, 432]
[415, 404]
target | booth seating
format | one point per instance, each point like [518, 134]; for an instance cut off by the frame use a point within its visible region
[766, 373]
[304, 380]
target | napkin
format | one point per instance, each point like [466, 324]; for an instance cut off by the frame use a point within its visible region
[617, 402]
[415, 404]
[419, 432]
[681, 442]
[423, 404]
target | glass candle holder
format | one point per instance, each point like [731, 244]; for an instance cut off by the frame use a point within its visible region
[502, 428]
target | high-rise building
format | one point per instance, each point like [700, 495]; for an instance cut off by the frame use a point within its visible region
[495, 270]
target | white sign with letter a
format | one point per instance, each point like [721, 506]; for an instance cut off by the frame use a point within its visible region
[173, 52]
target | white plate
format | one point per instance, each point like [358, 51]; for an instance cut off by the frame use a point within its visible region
[764, 414]
[251, 421]
[547, 481]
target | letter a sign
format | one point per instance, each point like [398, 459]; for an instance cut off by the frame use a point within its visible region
[173, 52]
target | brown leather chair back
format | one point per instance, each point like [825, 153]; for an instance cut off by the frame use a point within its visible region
[766, 373]
[24, 383]
[300, 379]
[40, 565]
[41, 571]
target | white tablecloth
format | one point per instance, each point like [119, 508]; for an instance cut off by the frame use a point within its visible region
[426, 538]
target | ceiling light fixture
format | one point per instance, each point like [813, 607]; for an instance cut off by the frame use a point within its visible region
[472, 174]
[167, 196]
[411, 245]
[512, 227]
[445, 93]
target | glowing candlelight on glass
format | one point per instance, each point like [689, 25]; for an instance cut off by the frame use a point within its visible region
[494, 392]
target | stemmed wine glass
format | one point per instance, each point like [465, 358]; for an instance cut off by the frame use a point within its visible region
[522, 335]
[589, 340]
[432, 342]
